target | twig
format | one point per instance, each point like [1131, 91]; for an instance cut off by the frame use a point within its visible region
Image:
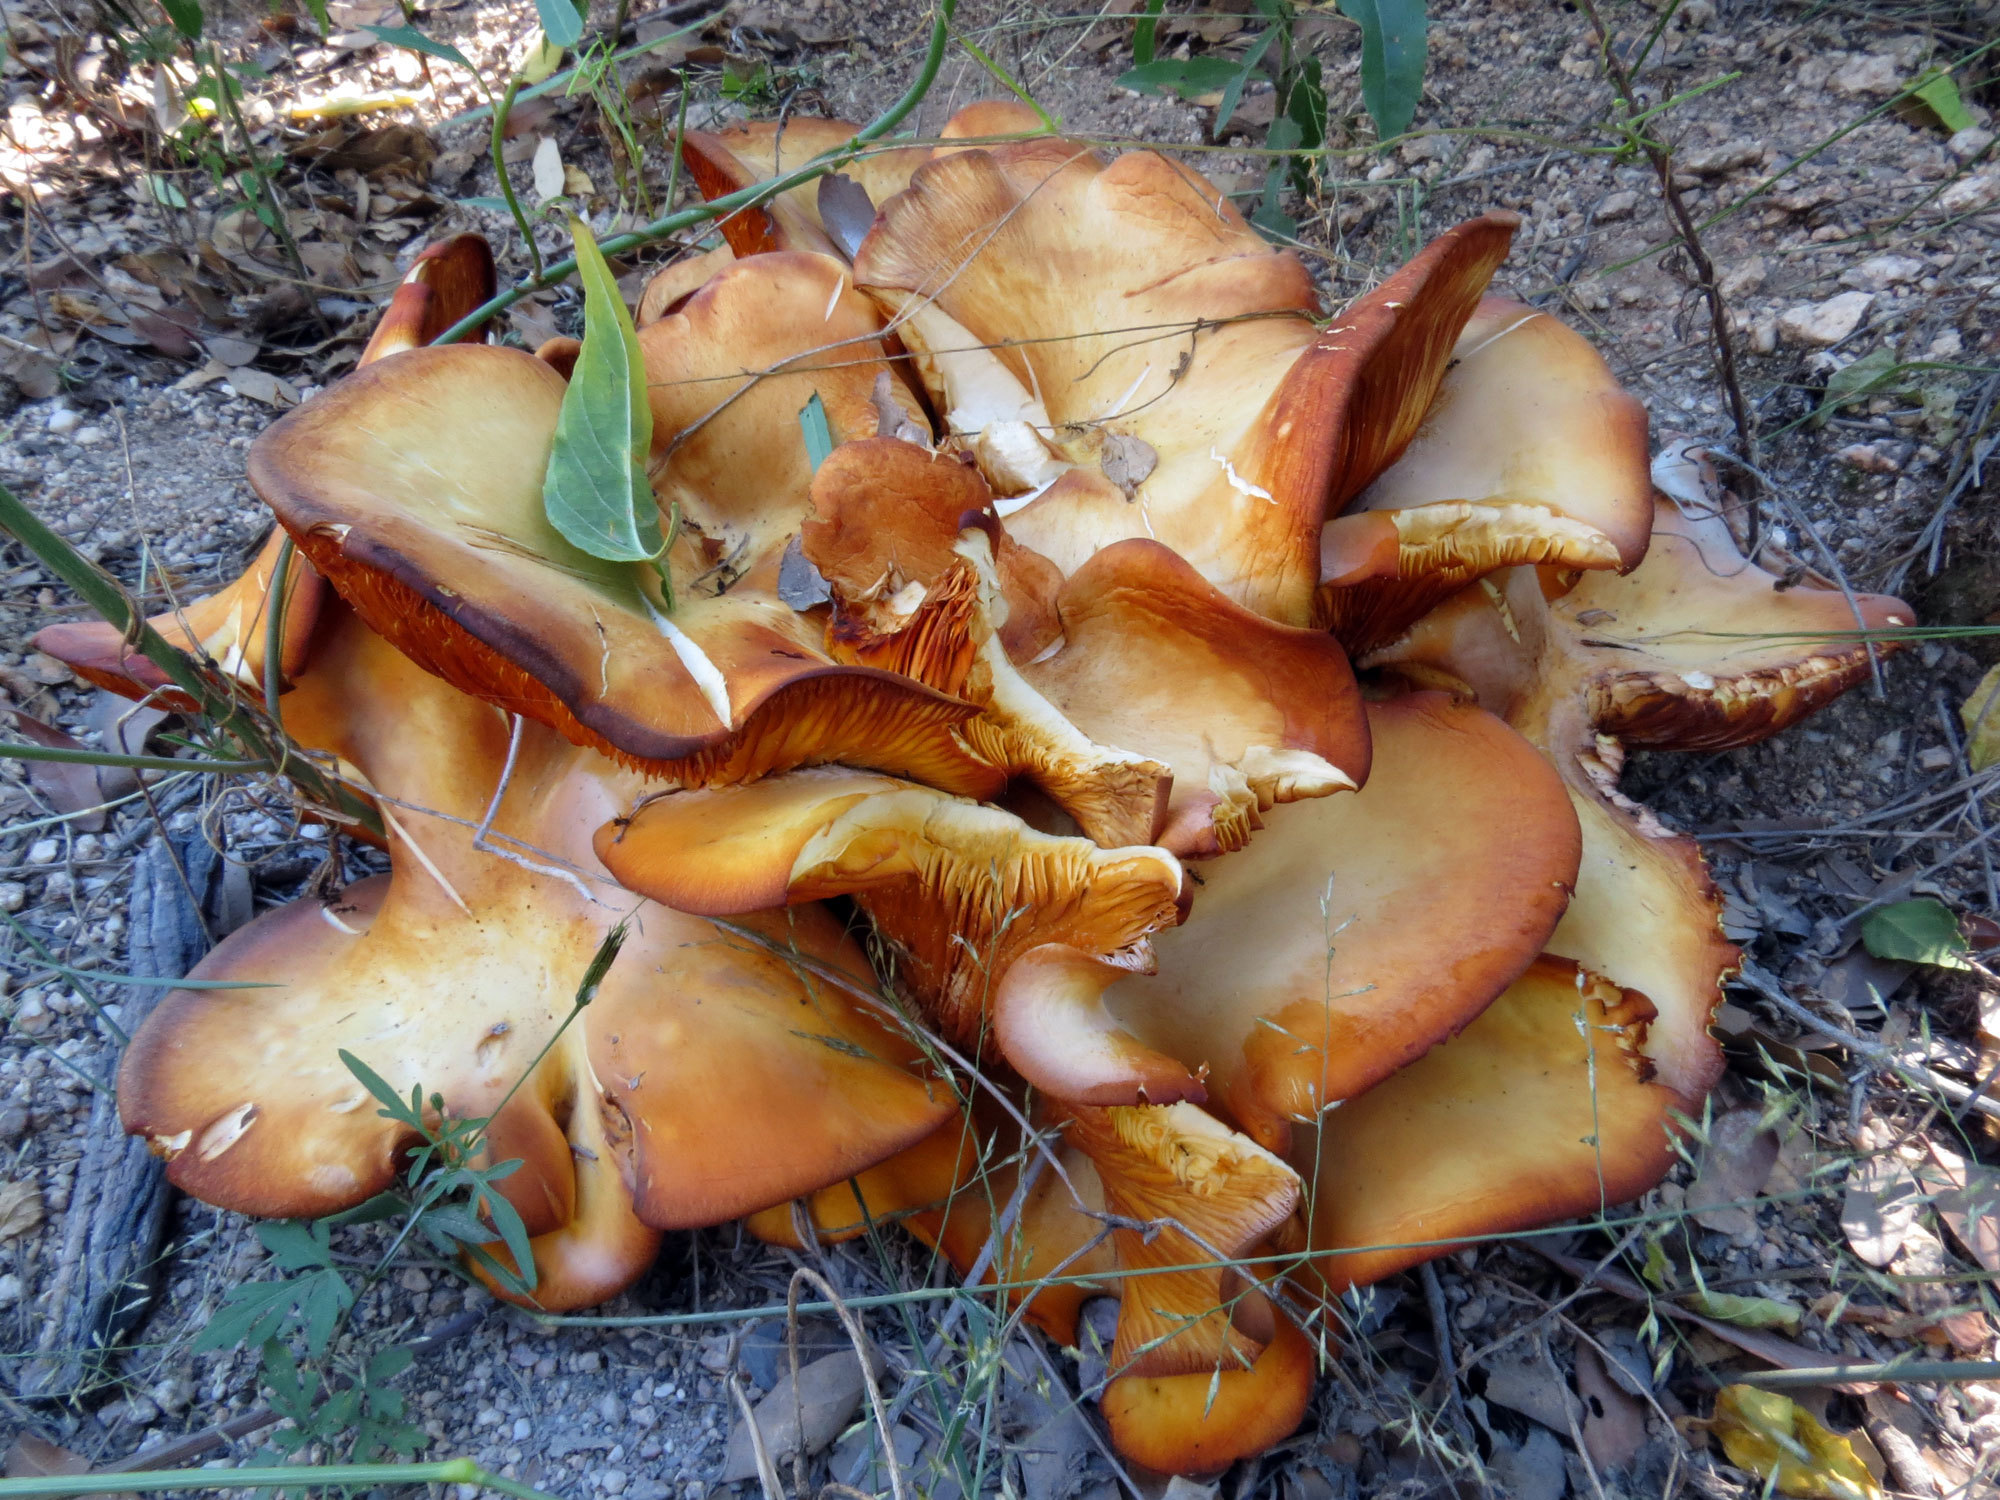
[1662, 161]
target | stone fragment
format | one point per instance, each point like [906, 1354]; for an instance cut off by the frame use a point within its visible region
[1880, 272]
[1867, 74]
[1970, 194]
[1615, 206]
[1816, 325]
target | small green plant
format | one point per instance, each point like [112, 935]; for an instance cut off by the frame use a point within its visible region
[1393, 36]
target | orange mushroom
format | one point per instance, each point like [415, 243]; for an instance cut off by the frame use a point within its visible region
[653, 1111]
[415, 486]
[1350, 936]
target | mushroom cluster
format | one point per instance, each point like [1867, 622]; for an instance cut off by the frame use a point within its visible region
[1141, 813]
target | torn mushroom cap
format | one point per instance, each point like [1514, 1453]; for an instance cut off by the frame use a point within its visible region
[955, 888]
[914, 594]
[229, 628]
[1695, 649]
[1246, 713]
[1350, 936]
[415, 486]
[1530, 453]
[949, 1189]
[1545, 1107]
[1132, 302]
[683, 1082]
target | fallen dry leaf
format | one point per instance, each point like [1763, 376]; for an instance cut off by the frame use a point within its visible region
[1981, 713]
[549, 175]
[1734, 1166]
[72, 789]
[20, 1208]
[1614, 1422]
[1882, 1202]
[33, 1457]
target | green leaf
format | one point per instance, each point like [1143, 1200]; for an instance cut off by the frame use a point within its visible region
[1233, 90]
[1866, 375]
[1939, 90]
[412, 40]
[562, 21]
[1747, 1312]
[326, 1297]
[1922, 931]
[387, 1364]
[296, 1245]
[1185, 77]
[596, 492]
[1393, 40]
[513, 1234]
[394, 1107]
[250, 1314]
[374, 1211]
[186, 16]
[1145, 34]
[317, 8]
[818, 434]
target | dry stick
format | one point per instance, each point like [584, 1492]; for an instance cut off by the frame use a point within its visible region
[859, 1336]
[1662, 161]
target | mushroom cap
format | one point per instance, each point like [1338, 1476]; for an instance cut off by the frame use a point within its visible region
[947, 1191]
[415, 486]
[447, 280]
[1544, 1107]
[228, 627]
[1246, 713]
[1200, 1423]
[955, 888]
[1133, 302]
[1530, 453]
[1349, 937]
[684, 1078]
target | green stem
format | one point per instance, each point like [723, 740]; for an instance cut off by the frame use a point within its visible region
[558, 80]
[1899, 1370]
[497, 138]
[338, 1476]
[749, 197]
[136, 762]
[274, 629]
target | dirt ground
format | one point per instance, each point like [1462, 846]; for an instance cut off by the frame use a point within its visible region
[147, 343]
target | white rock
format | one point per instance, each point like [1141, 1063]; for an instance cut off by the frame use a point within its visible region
[1818, 324]
[523, 1429]
[1868, 458]
[1743, 278]
[612, 1481]
[1970, 194]
[13, 895]
[1947, 345]
[31, 1016]
[1867, 73]
[62, 420]
[1717, 160]
[1880, 272]
[87, 437]
[1969, 142]
[44, 851]
[11, 1290]
[1616, 206]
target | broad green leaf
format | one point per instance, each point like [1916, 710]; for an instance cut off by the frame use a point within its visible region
[1393, 41]
[818, 434]
[1940, 92]
[1865, 376]
[296, 1246]
[1233, 90]
[412, 40]
[1186, 77]
[1921, 931]
[387, 1364]
[374, 1211]
[562, 20]
[1747, 1312]
[186, 16]
[326, 1297]
[596, 492]
[1145, 34]
[250, 1314]
[1981, 716]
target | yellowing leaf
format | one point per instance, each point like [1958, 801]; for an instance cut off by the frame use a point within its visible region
[1747, 1312]
[20, 1208]
[1769, 1435]
[1981, 714]
[542, 61]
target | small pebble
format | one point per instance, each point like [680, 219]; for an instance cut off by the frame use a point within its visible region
[44, 851]
[612, 1481]
[523, 1429]
[1819, 324]
[13, 895]
[63, 419]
